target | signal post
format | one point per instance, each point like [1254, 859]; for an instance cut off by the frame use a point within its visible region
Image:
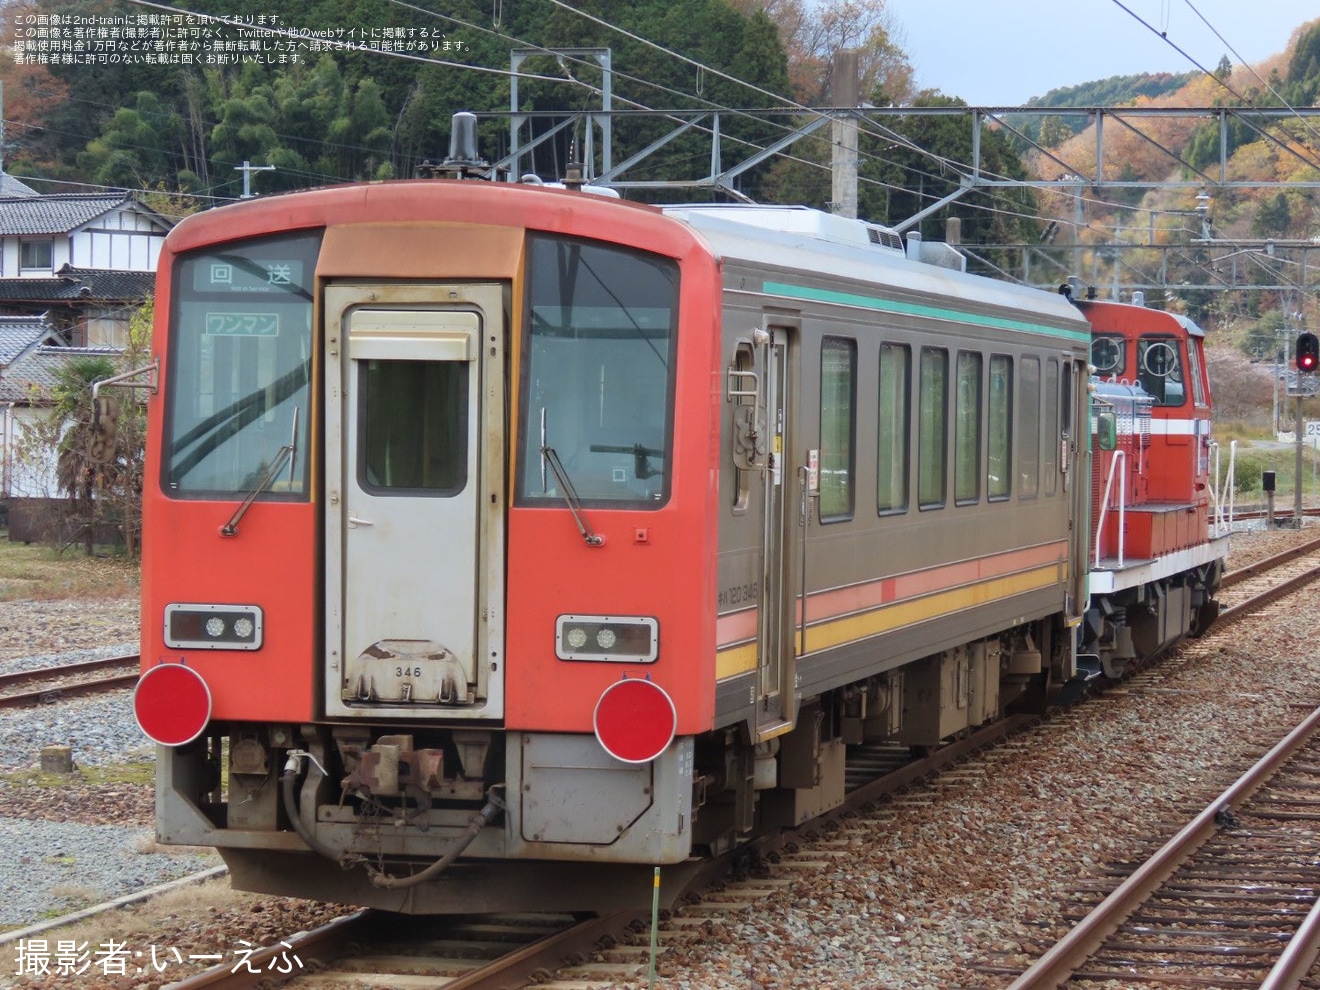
[1307, 359]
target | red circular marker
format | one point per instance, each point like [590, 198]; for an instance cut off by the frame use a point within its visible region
[635, 720]
[172, 704]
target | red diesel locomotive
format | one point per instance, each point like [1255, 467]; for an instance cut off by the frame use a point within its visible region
[505, 542]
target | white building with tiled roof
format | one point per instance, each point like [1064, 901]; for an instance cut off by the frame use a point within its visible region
[26, 377]
[87, 260]
[41, 234]
[73, 268]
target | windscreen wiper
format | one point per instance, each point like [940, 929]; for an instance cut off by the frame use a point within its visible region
[570, 496]
[283, 456]
[550, 456]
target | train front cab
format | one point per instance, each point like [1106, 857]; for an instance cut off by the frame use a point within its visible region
[432, 491]
[1157, 549]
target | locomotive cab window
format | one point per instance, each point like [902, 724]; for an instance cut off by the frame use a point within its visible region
[1194, 370]
[239, 397]
[1108, 356]
[598, 378]
[1160, 373]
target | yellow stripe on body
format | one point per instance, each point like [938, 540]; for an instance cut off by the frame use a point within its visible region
[738, 660]
[837, 632]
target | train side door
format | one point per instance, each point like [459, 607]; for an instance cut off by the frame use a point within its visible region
[1075, 463]
[776, 658]
[414, 491]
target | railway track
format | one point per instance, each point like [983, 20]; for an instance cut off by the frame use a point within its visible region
[47, 684]
[559, 953]
[1229, 901]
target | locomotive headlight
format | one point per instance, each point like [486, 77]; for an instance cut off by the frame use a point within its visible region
[213, 627]
[609, 638]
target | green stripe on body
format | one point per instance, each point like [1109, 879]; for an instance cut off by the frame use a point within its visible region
[917, 309]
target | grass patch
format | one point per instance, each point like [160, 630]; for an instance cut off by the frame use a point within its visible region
[46, 574]
[139, 771]
[1254, 459]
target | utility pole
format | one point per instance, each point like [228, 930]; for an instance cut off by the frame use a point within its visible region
[247, 169]
[843, 135]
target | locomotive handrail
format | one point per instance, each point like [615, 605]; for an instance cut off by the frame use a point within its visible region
[1119, 461]
[1219, 523]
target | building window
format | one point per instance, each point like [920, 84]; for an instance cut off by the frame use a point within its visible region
[36, 256]
[838, 392]
[967, 430]
[932, 427]
[892, 450]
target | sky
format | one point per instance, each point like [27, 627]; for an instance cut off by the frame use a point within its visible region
[1003, 52]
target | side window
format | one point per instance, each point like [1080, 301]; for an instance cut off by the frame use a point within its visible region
[892, 443]
[838, 395]
[1194, 370]
[1028, 429]
[999, 473]
[932, 427]
[1053, 427]
[744, 362]
[967, 430]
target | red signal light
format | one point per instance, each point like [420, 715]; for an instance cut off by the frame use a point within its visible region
[1308, 351]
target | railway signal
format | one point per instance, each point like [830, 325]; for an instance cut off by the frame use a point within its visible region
[1308, 351]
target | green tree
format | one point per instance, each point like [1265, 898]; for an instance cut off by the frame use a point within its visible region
[138, 146]
[1272, 217]
[78, 476]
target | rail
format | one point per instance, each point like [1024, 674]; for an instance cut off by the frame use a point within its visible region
[1068, 955]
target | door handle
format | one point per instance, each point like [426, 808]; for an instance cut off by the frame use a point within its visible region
[354, 522]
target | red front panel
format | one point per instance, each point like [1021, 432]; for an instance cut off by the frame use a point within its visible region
[270, 563]
[659, 564]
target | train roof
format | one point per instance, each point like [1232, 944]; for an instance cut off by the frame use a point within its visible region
[799, 239]
[1121, 317]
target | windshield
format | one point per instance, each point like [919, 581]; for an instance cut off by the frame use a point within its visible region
[240, 367]
[597, 384]
[1161, 370]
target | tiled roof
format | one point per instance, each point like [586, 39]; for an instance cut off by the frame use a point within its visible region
[9, 186]
[31, 378]
[58, 214]
[18, 333]
[78, 285]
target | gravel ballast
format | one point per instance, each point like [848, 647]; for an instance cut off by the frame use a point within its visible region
[932, 884]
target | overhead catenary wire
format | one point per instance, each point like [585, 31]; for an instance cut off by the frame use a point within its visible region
[874, 129]
[1164, 35]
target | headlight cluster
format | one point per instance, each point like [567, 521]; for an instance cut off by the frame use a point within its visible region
[618, 639]
[213, 627]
